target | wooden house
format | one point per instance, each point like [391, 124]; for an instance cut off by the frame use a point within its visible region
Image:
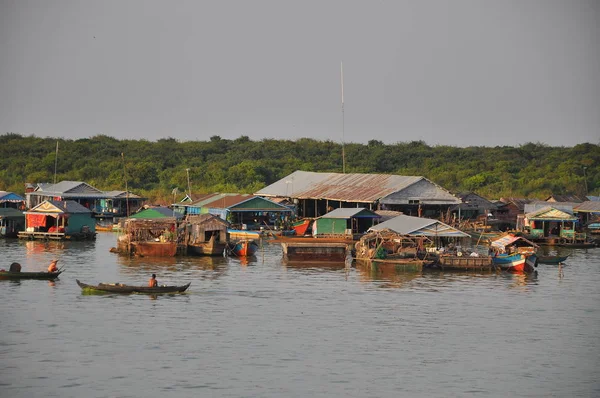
[509, 210]
[59, 220]
[206, 234]
[151, 232]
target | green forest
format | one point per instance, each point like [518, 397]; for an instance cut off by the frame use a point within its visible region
[155, 169]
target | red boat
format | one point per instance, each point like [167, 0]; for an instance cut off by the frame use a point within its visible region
[243, 248]
[514, 254]
[302, 226]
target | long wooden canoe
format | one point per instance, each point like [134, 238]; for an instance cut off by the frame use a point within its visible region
[29, 275]
[552, 259]
[128, 289]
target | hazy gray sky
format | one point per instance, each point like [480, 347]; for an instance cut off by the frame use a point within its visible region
[461, 72]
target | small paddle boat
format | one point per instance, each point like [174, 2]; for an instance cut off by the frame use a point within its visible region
[552, 259]
[128, 289]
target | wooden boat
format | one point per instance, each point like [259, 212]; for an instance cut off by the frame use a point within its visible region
[243, 247]
[552, 259]
[514, 254]
[29, 275]
[301, 227]
[128, 289]
[516, 262]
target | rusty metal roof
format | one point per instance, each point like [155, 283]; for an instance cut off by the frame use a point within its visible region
[591, 206]
[351, 187]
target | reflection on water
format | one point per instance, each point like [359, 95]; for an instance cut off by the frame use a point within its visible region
[390, 275]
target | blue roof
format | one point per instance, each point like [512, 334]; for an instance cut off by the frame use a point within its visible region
[10, 197]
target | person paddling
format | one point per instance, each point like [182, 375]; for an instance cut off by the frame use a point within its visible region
[153, 282]
[52, 267]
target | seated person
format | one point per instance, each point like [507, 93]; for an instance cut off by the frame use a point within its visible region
[153, 282]
[52, 267]
[15, 267]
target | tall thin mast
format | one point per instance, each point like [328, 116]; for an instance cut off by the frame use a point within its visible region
[126, 188]
[343, 149]
[55, 162]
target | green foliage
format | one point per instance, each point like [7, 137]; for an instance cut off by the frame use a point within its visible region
[153, 169]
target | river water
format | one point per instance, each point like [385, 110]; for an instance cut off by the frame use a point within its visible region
[260, 328]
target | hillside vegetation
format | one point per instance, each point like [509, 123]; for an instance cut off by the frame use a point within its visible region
[154, 169]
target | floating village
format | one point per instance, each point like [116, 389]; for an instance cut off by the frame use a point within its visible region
[400, 222]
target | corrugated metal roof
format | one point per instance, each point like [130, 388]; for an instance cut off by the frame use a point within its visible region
[346, 213]
[352, 187]
[78, 189]
[223, 200]
[590, 206]
[537, 206]
[156, 212]
[417, 226]
[54, 206]
[549, 213]
[509, 239]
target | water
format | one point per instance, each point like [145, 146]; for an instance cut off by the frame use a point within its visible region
[264, 329]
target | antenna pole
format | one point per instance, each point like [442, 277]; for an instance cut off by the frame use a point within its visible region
[343, 149]
[189, 187]
[55, 162]
[126, 189]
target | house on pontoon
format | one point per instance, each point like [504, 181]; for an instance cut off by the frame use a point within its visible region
[59, 220]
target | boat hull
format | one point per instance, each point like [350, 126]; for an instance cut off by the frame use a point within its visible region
[154, 249]
[129, 289]
[552, 259]
[315, 251]
[244, 248]
[207, 249]
[302, 226]
[6, 275]
[518, 263]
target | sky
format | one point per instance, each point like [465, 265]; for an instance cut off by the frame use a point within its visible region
[460, 73]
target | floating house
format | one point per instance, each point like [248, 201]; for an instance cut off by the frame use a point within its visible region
[206, 234]
[152, 232]
[102, 204]
[59, 220]
[12, 221]
[553, 225]
[315, 194]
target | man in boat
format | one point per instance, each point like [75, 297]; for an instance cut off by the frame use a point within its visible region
[52, 267]
[153, 282]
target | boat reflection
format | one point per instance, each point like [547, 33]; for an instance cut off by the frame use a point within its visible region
[316, 265]
[389, 275]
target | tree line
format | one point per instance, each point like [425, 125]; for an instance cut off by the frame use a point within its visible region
[158, 169]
